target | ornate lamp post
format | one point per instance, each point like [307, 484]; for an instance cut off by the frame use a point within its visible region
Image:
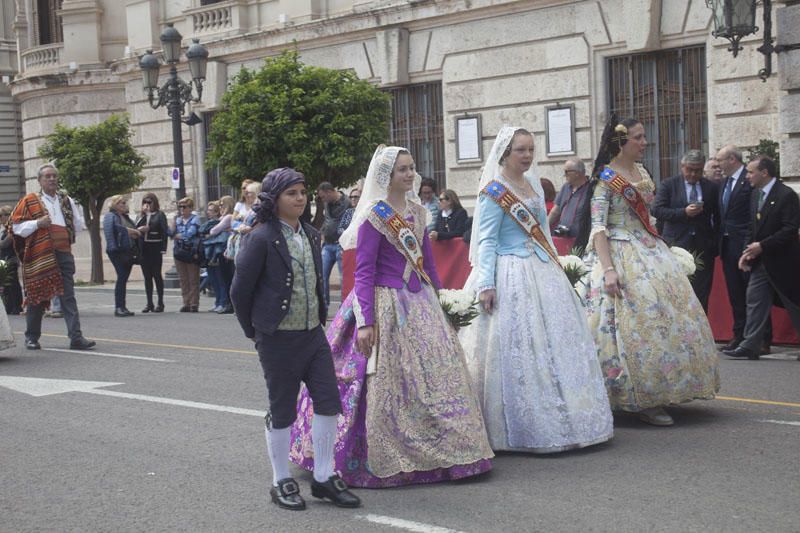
[175, 93]
[735, 19]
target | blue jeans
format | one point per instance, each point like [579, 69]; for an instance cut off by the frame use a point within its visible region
[123, 269]
[331, 253]
[218, 284]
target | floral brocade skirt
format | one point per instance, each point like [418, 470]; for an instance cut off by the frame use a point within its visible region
[416, 419]
[655, 344]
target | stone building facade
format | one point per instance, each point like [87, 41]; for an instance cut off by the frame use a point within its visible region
[11, 174]
[504, 61]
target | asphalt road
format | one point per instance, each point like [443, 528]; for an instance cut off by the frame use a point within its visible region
[123, 455]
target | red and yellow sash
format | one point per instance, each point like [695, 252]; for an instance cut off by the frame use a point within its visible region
[404, 239]
[519, 213]
[624, 188]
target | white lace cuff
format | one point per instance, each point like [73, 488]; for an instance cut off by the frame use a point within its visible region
[484, 289]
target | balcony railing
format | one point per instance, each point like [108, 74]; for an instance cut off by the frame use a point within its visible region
[45, 57]
[215, 18]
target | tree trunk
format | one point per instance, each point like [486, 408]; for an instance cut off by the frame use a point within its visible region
[92, 216]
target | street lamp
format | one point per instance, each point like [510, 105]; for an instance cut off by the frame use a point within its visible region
[735, 19]
[175, 93]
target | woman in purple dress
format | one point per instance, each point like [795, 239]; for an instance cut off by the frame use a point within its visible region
[410, 414]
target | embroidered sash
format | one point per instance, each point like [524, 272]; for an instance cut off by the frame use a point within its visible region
[519, 213]
[404, 239]
[624, 188]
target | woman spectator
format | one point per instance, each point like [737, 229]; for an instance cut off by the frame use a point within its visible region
[226, 209]
[549, 193]
[122, 247]
[12, 292]
[347, 216]
[452, 218]
[427, 196]
[213, 247]
[184, 233]
[152, 225]
[240, 206]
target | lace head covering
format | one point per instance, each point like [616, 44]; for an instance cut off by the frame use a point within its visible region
[376, 187]
[491, 170]
[275, 182]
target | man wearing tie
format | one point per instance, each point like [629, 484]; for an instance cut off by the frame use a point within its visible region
[734, 210]
[687, 207]
[772, 255]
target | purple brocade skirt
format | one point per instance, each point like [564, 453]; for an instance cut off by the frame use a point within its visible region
[452, 438]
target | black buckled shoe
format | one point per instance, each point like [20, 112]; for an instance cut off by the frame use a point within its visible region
[81, 343]
[32, 344]
[287, 495]
[336, 491]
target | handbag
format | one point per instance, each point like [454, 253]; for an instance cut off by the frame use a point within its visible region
[188, 254]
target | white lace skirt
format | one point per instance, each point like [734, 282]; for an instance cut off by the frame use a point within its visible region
[534, 363]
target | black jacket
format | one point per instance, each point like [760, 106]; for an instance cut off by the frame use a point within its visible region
[452, 226]
[261, 291]
[677, 227]
[157, 230]
[776, 229]
[736, 218]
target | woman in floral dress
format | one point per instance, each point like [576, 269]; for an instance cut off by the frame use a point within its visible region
[410, 415]
[655, 344]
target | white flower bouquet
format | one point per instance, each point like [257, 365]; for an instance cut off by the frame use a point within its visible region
[460, 306]
[574, 268]
[688, 261]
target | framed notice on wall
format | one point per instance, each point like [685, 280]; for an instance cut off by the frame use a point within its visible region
[468, 138]
[560, 125]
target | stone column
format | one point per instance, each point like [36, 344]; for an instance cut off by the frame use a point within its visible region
[80, 20]
[787, 21]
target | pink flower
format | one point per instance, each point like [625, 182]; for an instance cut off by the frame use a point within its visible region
[614, 373]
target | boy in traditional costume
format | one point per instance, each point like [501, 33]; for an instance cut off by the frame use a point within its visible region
[277, 294]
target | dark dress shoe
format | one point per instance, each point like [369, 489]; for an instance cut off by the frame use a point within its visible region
[194, 309]
[741, 353]
[159, 308]
[81, 344]
[122, 311]
[287, 495]
[765, 350]
[148, 308]
[32, 344]
[735, 342]
[336, 491]
[184, 309]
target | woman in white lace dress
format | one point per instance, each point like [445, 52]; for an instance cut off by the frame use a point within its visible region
[530, 352]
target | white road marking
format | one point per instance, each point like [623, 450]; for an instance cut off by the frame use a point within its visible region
[783, 422]
[408, 525]
[45, 387]
[106, 354]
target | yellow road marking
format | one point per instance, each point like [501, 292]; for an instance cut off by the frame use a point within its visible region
[751, 400]
[251, 352]
[157, 344]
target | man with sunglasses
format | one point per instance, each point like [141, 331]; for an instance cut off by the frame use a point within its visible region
[566, 215]
[44, 226]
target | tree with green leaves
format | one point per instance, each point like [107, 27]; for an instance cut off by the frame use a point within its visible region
[325, 123]
[94, 163]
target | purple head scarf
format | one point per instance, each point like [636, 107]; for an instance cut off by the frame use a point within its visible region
[275, 182]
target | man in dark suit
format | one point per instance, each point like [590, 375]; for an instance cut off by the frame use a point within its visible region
[687, 207]
[734, 213]
[772, 255]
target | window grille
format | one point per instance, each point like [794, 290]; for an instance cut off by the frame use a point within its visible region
[417, 123]
[665, 91]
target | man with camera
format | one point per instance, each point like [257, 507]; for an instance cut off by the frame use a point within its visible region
[689, 221]
[565, 217]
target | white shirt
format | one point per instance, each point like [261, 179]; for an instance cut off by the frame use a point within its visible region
[768, 187]
[736, 175]
[296, 235]
[689, 186]
[53, 207]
